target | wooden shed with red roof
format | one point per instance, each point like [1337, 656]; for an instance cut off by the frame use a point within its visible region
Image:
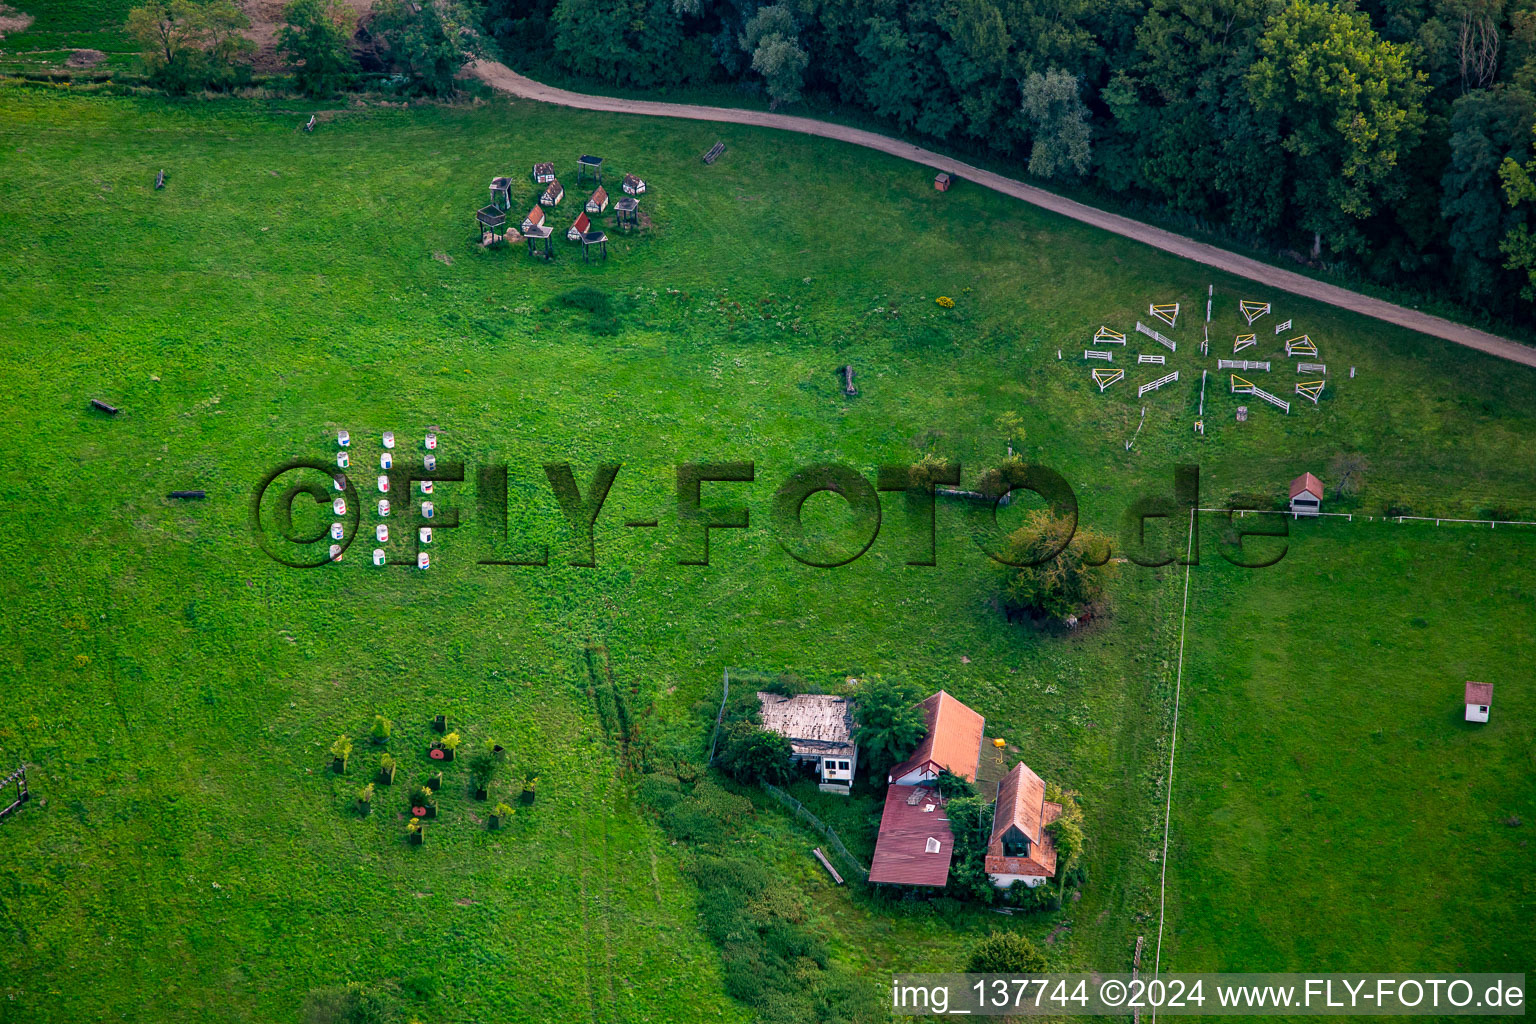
[581, 227]
[553, 194]
[1020, 849]
[952, 744]
[598, 201]
[534, 219]
[915, 844]
[1306, 495]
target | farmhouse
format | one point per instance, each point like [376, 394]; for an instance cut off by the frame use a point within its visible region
[553, 194]
[1306, 495]
[598, 201]
[544, 173]
[819, 728]
[534, 219]
[953, 744]
[578, 229]
[633, 185]
[1021, 850]
[915, 843]
[1479, 700]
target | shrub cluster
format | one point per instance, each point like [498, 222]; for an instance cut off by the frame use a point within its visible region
[774, 962]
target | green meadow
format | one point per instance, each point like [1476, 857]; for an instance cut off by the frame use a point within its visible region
[189, 855]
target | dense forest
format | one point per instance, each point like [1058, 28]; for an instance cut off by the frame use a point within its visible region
[1389, 137]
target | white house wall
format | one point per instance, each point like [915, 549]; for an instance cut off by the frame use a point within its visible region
[1004, 881]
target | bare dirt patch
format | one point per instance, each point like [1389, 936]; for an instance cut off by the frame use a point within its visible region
[13, 21]
[85, 59]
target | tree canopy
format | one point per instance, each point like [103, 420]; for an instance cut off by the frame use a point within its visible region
[888, 722]
[192, 44]
[316, 36]
[1068, 583]
[1365, 135]
[1003, 952]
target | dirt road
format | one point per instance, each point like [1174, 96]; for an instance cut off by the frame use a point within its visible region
[499, 76]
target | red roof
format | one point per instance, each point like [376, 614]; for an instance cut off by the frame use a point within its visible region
[1480, 694]
[953, 741]
[1308, 483]
[913, 816]
[1022, 807]
[582, 223]
[535, 215]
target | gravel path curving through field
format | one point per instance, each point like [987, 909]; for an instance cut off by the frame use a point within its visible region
[499, 76]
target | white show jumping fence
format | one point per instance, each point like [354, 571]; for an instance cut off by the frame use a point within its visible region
[1157, 383]
[1173, 346]
[1159, 360]
[1241, 364]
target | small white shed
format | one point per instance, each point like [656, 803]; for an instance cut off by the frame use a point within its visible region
[1479, 700]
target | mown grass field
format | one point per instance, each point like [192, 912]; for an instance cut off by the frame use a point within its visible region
[1327, 783]
[61, 26]
[189, 857]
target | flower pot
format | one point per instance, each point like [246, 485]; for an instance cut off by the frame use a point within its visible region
[447, 753]
[339, 765]
[436, 782]
[386, 778]
[494, 821]
[528, 796]
[419, 837]
[365, 807]
[480, 793]
[431, 810]
[500, 752]
[440, 723]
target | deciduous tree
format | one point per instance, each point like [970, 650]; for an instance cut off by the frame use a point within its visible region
[1068, 583]
[889, 722]
[772, 38]
[1344, 105]
[1061, 146]
[316, 36]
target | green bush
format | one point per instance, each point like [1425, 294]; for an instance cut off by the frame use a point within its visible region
[317, 38]
[1039, 899]
[751, 754]
[889, 722]
[659, 792]
[1006, 953]
[351, 1003]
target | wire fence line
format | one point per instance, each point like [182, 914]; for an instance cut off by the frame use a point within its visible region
[1352, 516]
[832, 838]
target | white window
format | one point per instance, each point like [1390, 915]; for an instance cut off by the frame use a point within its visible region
[1482, 709]
[933, 845]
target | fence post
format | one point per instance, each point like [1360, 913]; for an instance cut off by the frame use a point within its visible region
[719, 715]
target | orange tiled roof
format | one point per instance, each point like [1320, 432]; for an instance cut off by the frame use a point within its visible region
[1021, 805]
[1309, 483]
[953, 741]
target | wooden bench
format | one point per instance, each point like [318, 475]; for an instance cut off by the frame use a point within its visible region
[189, 495]
[714, 152]
[110, 410]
